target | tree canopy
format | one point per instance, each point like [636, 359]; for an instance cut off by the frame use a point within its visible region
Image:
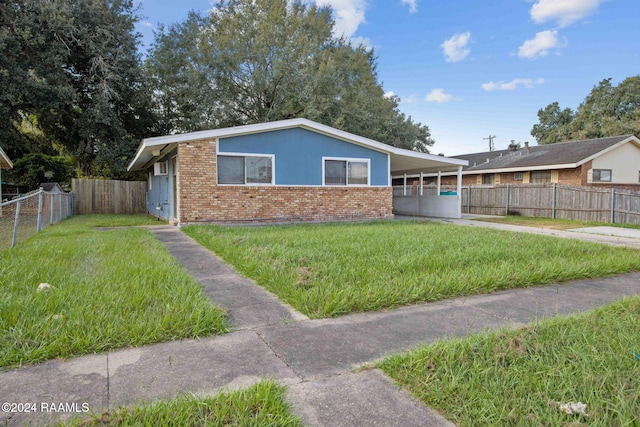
[76, 92]
[252, 61]
[72, 83]
[607, 111]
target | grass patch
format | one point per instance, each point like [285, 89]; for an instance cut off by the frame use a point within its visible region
[555, 224]
[111, 289]
[263, 404]
[327, 270]
[521, 377]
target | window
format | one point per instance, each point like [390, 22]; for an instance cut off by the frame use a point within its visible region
[346, 171]
[488, 179]
[540, 177]
[241, 170]
[518, 176]
[602, 175]
[160, 168]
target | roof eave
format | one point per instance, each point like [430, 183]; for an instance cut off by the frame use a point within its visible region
[139, 161]
[630, 138]
[504, 170]
[5, 162]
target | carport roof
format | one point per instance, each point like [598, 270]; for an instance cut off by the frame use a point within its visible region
[401, 160]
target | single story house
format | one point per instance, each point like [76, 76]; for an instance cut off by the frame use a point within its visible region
[288, 170]
[606, 162]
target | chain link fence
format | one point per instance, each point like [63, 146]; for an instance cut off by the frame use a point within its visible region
[21, 218]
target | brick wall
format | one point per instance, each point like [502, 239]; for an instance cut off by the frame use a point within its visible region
[196, 176]
[202, 201]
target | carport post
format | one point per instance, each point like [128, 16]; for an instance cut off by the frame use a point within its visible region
[421, 183]
[404, 185]
[439, 181]
[459, 182]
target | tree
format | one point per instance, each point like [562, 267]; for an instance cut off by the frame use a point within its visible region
[71, 69]
[253, 61]
[35, 168]
[610, 110]
[607, 111]
[555, 124]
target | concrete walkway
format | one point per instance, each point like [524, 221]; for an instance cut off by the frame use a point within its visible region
[314, 358]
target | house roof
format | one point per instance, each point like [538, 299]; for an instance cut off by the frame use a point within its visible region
[5, 162]
[561, 155]
[51, 187]
[401, 160]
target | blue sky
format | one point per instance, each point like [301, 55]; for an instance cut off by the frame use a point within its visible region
[473, 68]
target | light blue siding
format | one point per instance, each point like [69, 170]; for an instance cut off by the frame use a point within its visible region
[159, 196]
[299, 152]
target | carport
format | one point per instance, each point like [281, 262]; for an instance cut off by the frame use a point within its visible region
[421, 201]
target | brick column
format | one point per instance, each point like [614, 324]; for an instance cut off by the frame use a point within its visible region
[197, 179]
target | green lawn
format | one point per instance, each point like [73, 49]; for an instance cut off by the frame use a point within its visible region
[260, 405]
[522, 377]
[110, 289]
[332, 269]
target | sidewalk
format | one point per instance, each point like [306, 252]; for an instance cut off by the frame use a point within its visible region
[314, 358]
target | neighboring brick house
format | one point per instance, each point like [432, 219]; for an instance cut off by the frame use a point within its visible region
[606, 162]
[289, 170]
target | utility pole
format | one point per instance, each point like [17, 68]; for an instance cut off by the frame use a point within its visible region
[490, 138]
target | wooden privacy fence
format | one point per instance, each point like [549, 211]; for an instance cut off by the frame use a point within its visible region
[553, 201]
[97, 196]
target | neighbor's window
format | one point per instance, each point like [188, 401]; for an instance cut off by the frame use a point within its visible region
[540, 177]
[346, 172]
[602, 175]
[488, 179]
[242, 170]
[518, 176]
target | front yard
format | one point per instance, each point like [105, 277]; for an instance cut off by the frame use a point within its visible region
[333, 269]
[109, 289]
[522, 377]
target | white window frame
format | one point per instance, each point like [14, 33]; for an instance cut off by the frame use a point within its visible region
[518, 176]
[593, 175]
[251, 184]
[347, 159]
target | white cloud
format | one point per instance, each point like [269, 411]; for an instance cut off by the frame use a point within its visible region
[389, 94]
[411, 99]
[540, 45]
[455, 48]
[438, 95]
[147, 24]
[413, 5]
[564, 12]
[349, 14]
[512, 85]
